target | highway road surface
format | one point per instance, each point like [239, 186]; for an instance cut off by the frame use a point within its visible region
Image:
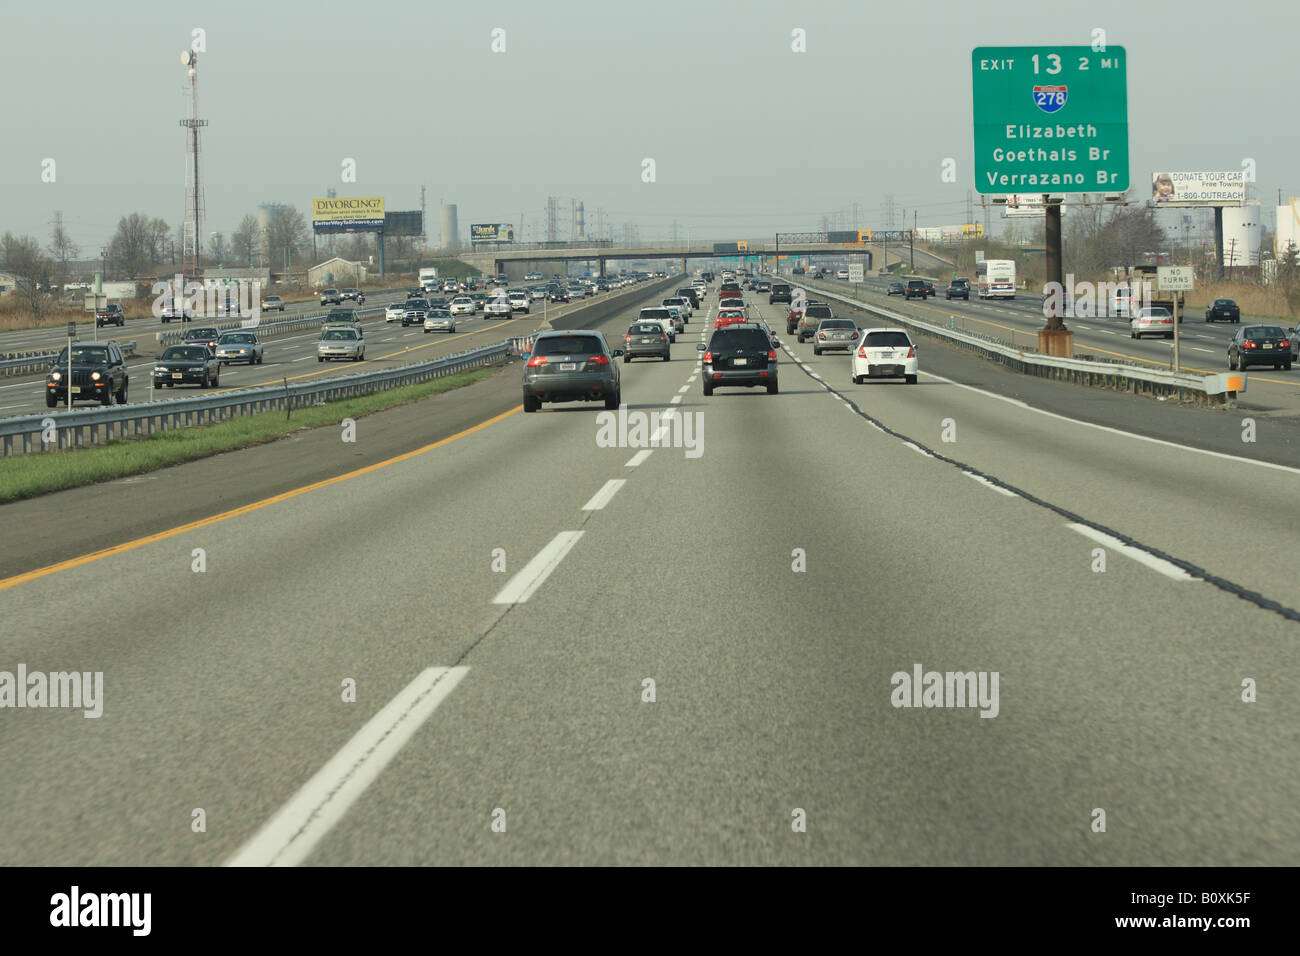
[476, 636]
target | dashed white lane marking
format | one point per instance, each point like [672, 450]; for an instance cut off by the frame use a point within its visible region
[638, 458]
[606, 493]
[528, 579]
[684, 389]
[1171, 571]
[988, 484]
[290, 836]
[676, 400]
[1197, 348]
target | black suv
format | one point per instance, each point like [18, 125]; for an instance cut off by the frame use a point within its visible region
[98, 374]
[780, 293]
[741, 355]
[958, 289]
[917, 287]
[688, 292]
[572, 366]
[109, 315]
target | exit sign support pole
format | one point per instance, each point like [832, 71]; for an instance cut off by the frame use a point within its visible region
[1055, 268]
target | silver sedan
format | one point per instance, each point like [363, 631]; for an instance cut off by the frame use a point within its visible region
[239, 347]
[340, 343]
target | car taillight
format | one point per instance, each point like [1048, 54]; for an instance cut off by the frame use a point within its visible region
[771, 354]
[537, 360]
[708, 356]
[1248, 344]
[862, 352]
[821, 335]
[1284, 344]
[911, 352]
[662, 337]
[628, 337]
[597, 359]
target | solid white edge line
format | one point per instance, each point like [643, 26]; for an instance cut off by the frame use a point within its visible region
[639, 457]
[917, 448]
[529, 578]
[606, 493]
[1116, 431]
[1137, 554]
[293, 832]
[988, 484]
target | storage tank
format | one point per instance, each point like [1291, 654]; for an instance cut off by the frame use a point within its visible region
[1241, 235]
[447, 223]
[1288, 226]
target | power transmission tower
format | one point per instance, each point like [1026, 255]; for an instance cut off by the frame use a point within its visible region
[552, 218]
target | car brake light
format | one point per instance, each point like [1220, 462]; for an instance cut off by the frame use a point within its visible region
[1248, 344]
[771, 353]
[597, 359]
[628, 337]
[708, 356]
[537, 360]
[1284, 344]
[911, 352]
[862, 352]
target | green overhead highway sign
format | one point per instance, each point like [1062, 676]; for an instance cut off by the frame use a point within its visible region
[1050, 119]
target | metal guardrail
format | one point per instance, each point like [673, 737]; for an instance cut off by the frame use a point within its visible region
[95, 426]
[263, 329]
[1100, 374]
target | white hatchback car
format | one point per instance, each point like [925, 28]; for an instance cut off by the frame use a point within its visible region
[885, 353]
[1155, 320]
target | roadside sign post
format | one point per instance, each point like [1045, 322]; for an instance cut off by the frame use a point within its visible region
[1176, 279]
[1050, 119]
[67, 386]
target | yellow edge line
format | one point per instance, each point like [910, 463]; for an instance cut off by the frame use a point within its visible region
[26, 576]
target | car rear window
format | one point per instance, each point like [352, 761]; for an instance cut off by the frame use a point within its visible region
[819, 311]
[569, 345]
[838, 324]
[646, 328]
[740, 337]
[1263, 332]
[780, 287]
[655, 314]
[887, 340]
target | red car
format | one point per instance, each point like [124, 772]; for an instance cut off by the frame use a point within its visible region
[729, 317]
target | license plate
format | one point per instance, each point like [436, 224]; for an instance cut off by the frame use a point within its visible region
[178, 375]
[568, 366]
[1266, 345]
[647, 340]
[76, 390]
[740, 361]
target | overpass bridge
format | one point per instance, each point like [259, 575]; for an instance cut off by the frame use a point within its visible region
[500, 256]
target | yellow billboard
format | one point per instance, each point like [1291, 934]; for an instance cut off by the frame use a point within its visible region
[361, 212]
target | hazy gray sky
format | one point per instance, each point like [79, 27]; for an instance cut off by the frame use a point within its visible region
[748, 136]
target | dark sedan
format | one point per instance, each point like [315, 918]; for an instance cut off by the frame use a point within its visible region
[204, 336]
[187, 365]
[897, 288]
[1222, 310]
[1260, 345]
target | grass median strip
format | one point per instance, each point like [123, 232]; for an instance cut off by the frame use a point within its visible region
[26, 476]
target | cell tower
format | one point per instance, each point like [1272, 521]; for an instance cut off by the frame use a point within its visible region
[191, 241]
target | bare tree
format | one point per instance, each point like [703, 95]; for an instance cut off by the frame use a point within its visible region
[286, 235]
[139, 244]
[32, 268]
[62, 248]
[244, 241]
